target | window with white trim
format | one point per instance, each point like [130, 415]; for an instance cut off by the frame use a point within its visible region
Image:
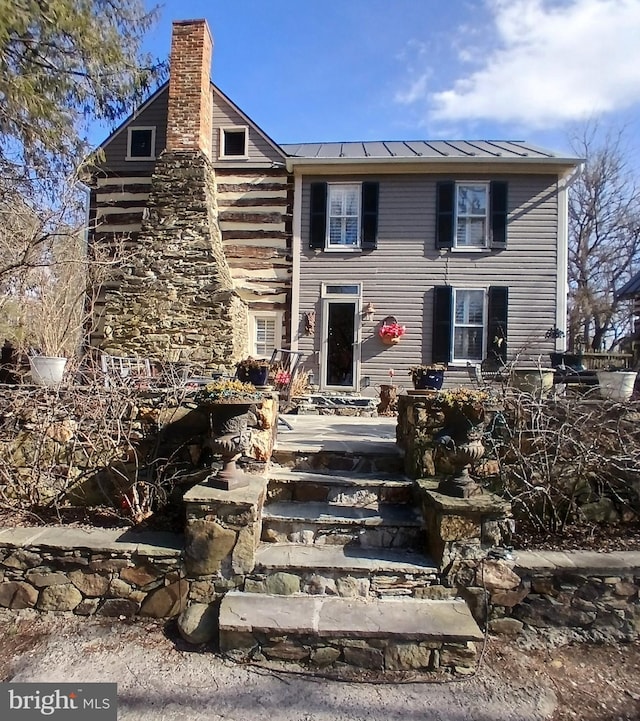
[343, 215]
[468, 324]
[141, 143]
[472, 220]
[234, 142]
[265, 333]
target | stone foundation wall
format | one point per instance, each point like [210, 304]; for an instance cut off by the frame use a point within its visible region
[90, 573]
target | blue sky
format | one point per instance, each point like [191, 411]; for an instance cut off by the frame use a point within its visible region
[331, 70]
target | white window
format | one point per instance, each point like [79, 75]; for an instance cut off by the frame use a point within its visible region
[472, 203]
[265, 333]
[234, 142]
[343, 210]
[141, 143]
[468, 325]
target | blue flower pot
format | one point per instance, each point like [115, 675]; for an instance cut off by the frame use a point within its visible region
[431, 379]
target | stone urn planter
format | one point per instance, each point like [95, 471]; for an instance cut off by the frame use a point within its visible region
[461, 440]
[228, 423]
[227, 403]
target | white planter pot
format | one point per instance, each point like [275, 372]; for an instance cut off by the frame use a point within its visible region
[47, 370]
[536, 381]
[616, 385]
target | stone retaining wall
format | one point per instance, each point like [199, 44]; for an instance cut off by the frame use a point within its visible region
[124, 574]
[106, 573]
[595, 594]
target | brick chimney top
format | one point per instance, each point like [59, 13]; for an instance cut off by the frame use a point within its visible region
[189, 114]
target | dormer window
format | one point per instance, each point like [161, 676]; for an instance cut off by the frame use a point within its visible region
[141, 143]
[234, 142]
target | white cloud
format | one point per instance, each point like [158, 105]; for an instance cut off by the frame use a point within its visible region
[551, 62]
[414, 92]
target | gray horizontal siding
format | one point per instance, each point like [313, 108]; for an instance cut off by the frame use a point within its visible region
[115, 149]
[399, 276]
[155, 114]
[225, 115]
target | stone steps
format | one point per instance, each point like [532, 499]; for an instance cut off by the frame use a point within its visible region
[365, 457]
[354, 489]
[386, 525]
[342, 570]
[380, 634]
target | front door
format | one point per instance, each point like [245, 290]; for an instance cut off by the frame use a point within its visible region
[340, 337]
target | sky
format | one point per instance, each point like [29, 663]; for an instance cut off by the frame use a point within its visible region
[340, 70]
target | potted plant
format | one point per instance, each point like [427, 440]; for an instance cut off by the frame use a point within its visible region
[227, 403]
[391, 331]
[53, 321]
[464, 412]
[253, 370]
[428, 376]
[227, 392]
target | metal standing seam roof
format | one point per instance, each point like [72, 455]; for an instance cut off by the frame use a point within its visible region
[436, 149]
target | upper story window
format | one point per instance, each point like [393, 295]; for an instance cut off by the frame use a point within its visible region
[343, 216]
[471, 215]
[234, 142]
[141, 143]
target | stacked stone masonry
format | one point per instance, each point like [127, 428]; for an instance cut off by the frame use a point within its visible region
[176, 300]
[105, 578]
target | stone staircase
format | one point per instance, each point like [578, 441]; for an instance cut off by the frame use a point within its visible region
[340, 573]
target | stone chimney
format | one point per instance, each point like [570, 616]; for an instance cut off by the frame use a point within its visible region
[190, 102]
[176, 300]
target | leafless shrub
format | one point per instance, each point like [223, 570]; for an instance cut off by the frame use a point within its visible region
[558, 456]
[95, 444]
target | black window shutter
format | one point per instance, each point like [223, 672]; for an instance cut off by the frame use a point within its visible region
[499, 208]
[445, 200]
[318, 216]
[497, 323]
[370, 192]
[442, 319]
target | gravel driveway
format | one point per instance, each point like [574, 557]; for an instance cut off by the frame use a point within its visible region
[160, 680]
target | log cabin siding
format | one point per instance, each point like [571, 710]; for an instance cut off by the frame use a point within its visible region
[254, 198]
[399, 276]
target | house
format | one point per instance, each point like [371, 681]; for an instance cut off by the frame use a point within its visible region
[243, 244]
